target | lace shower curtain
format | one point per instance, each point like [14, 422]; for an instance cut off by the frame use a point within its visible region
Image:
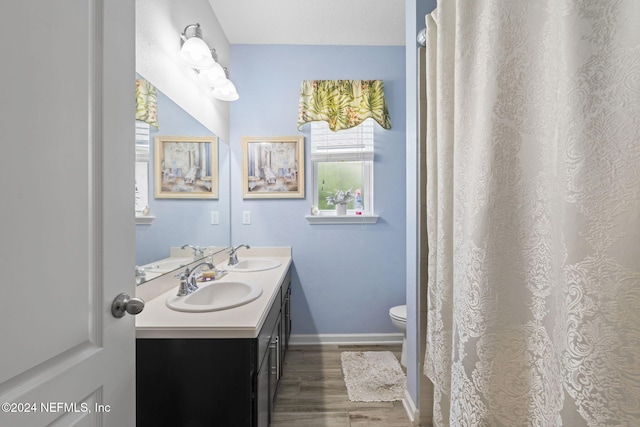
[533, 198]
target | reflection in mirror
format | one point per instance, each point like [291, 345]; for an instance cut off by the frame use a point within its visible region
[183, 230]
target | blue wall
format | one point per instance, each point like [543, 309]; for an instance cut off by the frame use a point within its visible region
[182, 221]
[346, 277]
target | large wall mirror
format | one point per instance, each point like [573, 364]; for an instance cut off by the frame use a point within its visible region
[183, 220]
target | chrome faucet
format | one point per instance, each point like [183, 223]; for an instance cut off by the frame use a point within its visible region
[188, 279]
[233, 257]
[197, 250]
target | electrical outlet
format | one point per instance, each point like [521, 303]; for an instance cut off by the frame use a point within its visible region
[215, 217]
[246, 217]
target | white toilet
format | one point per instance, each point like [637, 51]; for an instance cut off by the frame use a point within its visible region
[398, 315]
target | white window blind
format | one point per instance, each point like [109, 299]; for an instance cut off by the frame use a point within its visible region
[348, 144]
[142, 141]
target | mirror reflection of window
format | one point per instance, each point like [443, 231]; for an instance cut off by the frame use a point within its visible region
[142, 169]
[142, 187]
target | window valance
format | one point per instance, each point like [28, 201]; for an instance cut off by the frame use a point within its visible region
[146, 102]
[343, 103]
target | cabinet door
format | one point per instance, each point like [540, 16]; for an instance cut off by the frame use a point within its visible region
[195, 382]
[262, 394]
[275, 365]
[286, 322]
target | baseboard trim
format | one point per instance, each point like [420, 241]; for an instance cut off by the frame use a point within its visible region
[345, 339]
[410, 408]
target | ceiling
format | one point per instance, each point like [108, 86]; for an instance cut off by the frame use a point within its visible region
[314, 22]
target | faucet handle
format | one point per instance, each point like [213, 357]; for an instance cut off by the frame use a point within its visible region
[183, 274]
[192, 283]
[197, 250]
[184, 288]
[140, 275]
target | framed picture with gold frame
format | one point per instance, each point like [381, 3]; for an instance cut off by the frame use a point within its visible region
[186, 167]
[273, 167]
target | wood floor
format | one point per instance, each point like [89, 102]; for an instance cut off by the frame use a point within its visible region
[312, 392]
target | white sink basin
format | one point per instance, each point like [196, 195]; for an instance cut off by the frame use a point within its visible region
[166, 265]
[249, 265]
[214, 296]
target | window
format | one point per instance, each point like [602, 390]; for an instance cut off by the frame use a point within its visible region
[342, 160]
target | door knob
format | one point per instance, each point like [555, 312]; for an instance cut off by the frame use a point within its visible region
[124, 303]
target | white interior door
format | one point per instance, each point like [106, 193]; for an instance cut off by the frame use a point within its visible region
[67, 247]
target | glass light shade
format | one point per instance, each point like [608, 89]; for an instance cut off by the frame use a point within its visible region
[226, 92]
[197, 54]
[214, 76]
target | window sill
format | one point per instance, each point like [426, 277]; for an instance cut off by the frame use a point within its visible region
[342, 219]
[144, 219]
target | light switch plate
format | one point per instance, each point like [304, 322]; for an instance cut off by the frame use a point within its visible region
[215, 217]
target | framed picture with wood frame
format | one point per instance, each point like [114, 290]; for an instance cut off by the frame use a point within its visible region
[273, 167]
[186, 167]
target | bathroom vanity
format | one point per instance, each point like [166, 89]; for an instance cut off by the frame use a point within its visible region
[219, 368]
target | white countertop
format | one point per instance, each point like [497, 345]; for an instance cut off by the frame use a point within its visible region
[159, 321]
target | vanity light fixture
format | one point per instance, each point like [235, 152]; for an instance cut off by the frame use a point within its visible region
[226, 91]
[198, 55]
[194, 51]
[213, 77]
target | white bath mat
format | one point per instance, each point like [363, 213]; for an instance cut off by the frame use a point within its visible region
[373, 376]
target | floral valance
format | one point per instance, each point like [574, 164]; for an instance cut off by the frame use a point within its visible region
[146, 102]
[343, 103]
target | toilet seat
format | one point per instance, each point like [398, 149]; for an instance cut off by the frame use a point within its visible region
[399, 313]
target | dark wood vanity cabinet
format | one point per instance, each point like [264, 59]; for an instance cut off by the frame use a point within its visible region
[272, 364]
[214, 382]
